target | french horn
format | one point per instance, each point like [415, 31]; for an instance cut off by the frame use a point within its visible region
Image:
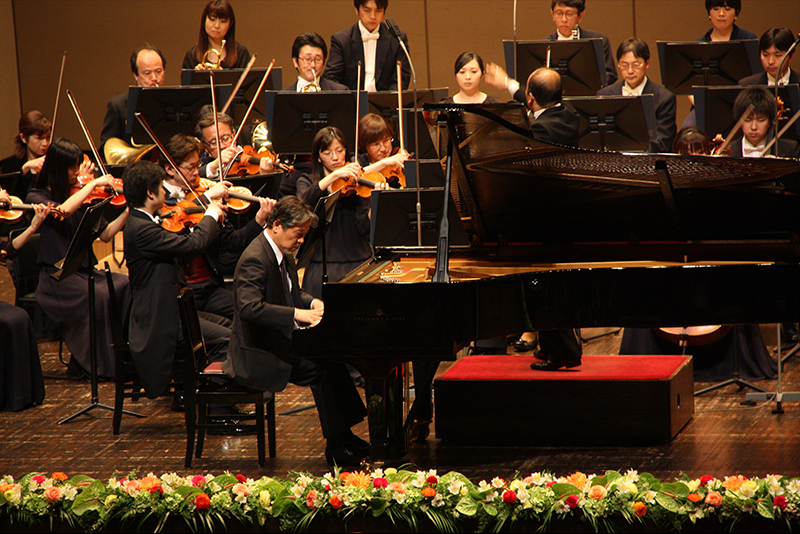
[118, 152]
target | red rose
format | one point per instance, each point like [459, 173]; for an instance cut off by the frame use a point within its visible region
[327, 487]
[336, 502]
[38, 479]
[156, 489]
[549, 483]
[509, 497]
[779, 501]
[202, 501]
[241, 478]
[572, 501]
[705, 479]
[431, 480]
[380, 482]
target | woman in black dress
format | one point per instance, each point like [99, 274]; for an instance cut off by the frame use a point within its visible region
[217, 24]
[66, 301]
[30, 146]
[469, 71]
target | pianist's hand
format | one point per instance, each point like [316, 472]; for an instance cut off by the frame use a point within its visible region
[312, 316]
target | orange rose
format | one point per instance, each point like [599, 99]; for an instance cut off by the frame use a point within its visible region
[640, 508]
[428, 491]
[52, 494]
[202, 501]
[5, 487]
[714, 499]
[58, 475]
[336, 502]
[734, 483]
[694, 497]
[597, 492]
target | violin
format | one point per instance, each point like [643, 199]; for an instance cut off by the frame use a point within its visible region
[362, 187]
[239, 197]
[12, 212]
[182, 215]
[248, 162]
[100, 193]
[693, 335]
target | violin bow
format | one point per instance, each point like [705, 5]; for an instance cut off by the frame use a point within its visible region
[88, 135]
[358, 106]
[252, 103]
[780, 134]
[58, 94]
[239, 83]
[164, 153]
[400, 105]
[216, 124]
[736, 128]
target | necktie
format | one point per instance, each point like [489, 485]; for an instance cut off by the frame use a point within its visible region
[285, 279]
[370, 37]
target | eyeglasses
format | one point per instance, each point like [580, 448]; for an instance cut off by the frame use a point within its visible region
[565, 14]
[635, 65]
[329, 153]
[312, 60]
[191, 169]
[377, 144]
[224, 139]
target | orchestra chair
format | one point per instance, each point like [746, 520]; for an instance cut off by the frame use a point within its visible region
[25, 275]
[126, 378]
[206, 385]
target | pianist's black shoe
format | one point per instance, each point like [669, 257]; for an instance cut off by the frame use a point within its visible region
[789, 333]
[553, 365]
[344, 455]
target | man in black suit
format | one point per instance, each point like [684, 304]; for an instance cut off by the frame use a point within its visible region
[153, 254]
[148, 66]
[270, 304]
[553, 121]
[567, 15]
[309, 54]
[633, 56]
[774, 43]
[757, 129]
[369, 42]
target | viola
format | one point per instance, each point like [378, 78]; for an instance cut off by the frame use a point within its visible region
[12, 212]
[248, 162]
[182, 215]
[362, 187]
[239, 197]
[101, 193]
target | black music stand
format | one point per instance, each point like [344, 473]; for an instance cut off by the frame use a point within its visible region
[431, 173]
[714, 108]
[581, 63]
[616, 123]
[78, 250]
[247, 91]
[394, 218]
[169, 110]
[316, 236]
[293, 119]
[686, 64]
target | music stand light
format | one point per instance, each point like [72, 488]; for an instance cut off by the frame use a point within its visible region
[685, 64]
[169, 110]
[714, 108]
[616, 123]
[580, 62]
[295, 118]
[245, 94]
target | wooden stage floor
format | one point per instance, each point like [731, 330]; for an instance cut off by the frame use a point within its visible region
[723, 437]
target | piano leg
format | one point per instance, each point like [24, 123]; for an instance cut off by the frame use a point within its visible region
[388, 440]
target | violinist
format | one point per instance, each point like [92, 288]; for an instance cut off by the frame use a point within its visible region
[66, 302]
[375, 138]
[205, 130]
[148, 66]
[347, 236]
[774, 44]
[206, 272]
[216, 46]
[757, 128]
[22, 382]
[30, 147]
[153, 255]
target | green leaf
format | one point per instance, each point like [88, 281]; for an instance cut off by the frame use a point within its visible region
[766, 509]
[563, 490]
[89, 498]
[677, 489]
[489, 508]
[667, 502]
[467, 506]
[378, 506]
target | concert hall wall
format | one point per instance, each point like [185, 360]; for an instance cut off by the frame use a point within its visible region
[99, 35]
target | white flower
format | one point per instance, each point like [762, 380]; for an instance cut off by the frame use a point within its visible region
[539, 479]
[627, 487]
[492, 496]
[523, 495]
[113, 483]
[749, 489]
[650, 497]
[794, 485]
[632, 475]
[483, 486]
[70, 492]
[774, 485]
[297, 491]
[438, 500]
[328, 477]
[748, 507]
[561, 507]
[455, 486]
[498, 482]
[377, 473]
[215, 487]
[693, 485]
[399, 497]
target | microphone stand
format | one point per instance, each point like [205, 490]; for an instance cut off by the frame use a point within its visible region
[395, 31]
[777, 79]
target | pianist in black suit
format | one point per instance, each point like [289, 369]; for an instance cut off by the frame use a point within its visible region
[633, 56]
[773, 44]
[554, 122]
[269, 306]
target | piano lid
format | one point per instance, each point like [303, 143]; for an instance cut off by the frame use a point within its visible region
[512, 188]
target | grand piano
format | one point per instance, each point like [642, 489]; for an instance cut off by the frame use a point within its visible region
[562, 237]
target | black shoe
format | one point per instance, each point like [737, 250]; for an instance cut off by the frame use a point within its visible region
[344, 456]
[228, 409]
[229, 429]
[549, 365]
[177, 404]
[521, 345]
[420, 430]
[354, 442]
[789, 333]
